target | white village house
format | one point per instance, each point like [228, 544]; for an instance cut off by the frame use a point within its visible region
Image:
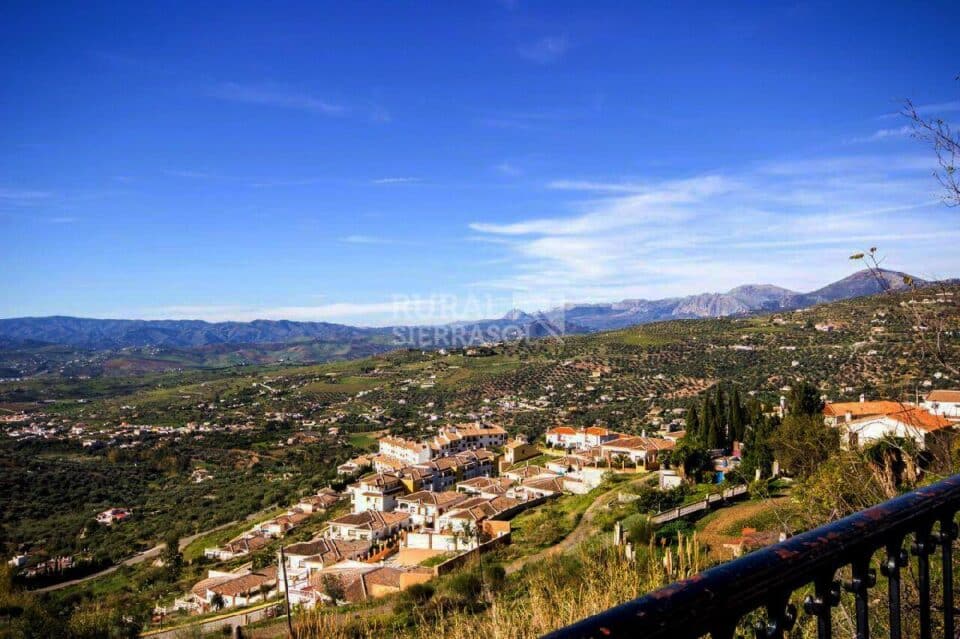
[945, 403]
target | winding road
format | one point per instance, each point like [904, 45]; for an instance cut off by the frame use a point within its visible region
[152, 553]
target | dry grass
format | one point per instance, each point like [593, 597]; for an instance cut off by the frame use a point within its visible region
[554, 593]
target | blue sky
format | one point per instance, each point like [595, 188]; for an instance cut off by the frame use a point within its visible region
[377, 163]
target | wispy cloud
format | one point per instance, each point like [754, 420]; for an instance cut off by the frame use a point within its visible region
[376, 240]
[858, 165]
[932, 108]
[192, 175]
[599, 187]
[366, 239]
[400, 310]
[508, 168]
[275, 97]
[396, 180]
[885, 134]
[791, 223]
[545, 50]
[656, 203]
[23, 196]
[380, 114]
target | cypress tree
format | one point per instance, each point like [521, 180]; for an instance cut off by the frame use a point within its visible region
[708, 421]
[713, 436]
[693, 423]
[736, 419]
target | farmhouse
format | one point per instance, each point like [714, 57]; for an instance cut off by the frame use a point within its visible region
[518, 450]
[114, 516]
[579, 439]
[471, 513]
[319, 502]
[354, 466]
[376, 491]
[639, 450]
[945, 403]
[838, 412]
[425, 506]
[913, 424]
[464, 437]
[528, 472]
[564, 437]
[406, 450]
[369, 525]
[361, 582]
[316, 554]
[489, 487]
[235, 589]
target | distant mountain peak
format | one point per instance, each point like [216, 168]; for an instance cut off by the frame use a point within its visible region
[517, 315]
[570, 318]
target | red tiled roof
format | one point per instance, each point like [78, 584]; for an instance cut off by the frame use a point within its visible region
[921, 419]
[950, 396]
[642, 443]
[372, 519]
[597, 430]
[247, 583]
[862, 409]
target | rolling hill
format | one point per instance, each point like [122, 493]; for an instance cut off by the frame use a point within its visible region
[88, 346]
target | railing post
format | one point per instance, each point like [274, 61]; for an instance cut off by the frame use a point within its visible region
[945, 537]
[724, 629]
[827, 596]
[921, 548]
[863, 578]
[781, 615]
[896, 559]
[716, 600]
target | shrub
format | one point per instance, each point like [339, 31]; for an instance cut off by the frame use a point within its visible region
[464, 585]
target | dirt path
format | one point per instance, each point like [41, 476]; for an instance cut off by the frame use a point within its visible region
[578, 534]
[712, 534]
[152, 553]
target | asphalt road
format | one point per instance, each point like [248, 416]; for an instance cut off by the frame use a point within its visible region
[152, 553]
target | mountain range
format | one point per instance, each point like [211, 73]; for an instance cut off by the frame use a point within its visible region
[319, 341]
[749, 298]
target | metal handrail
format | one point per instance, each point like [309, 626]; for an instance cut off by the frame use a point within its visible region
[714, 601]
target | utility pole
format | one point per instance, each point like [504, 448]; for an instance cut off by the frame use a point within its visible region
[483, 583]
[286, 589]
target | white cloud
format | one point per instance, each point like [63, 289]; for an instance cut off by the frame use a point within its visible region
[366, 239]
[396, 180]
[508, 169]
[545, 50]
[846, 165]
[23, 196]
[932, 108]
[400, 310]
[885, 134]
[792, 223]
[275, 97]
[602, 187]
[649, 204]
[193, 175]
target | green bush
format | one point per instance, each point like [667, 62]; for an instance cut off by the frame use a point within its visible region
[464, 585]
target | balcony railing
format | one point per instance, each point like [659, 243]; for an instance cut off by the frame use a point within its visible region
[716, 601]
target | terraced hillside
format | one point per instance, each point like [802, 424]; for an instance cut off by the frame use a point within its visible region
[276, 422]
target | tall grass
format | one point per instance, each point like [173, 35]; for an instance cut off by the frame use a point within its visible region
[556, 592]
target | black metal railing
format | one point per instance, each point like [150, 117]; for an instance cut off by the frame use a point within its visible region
[715, 602]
